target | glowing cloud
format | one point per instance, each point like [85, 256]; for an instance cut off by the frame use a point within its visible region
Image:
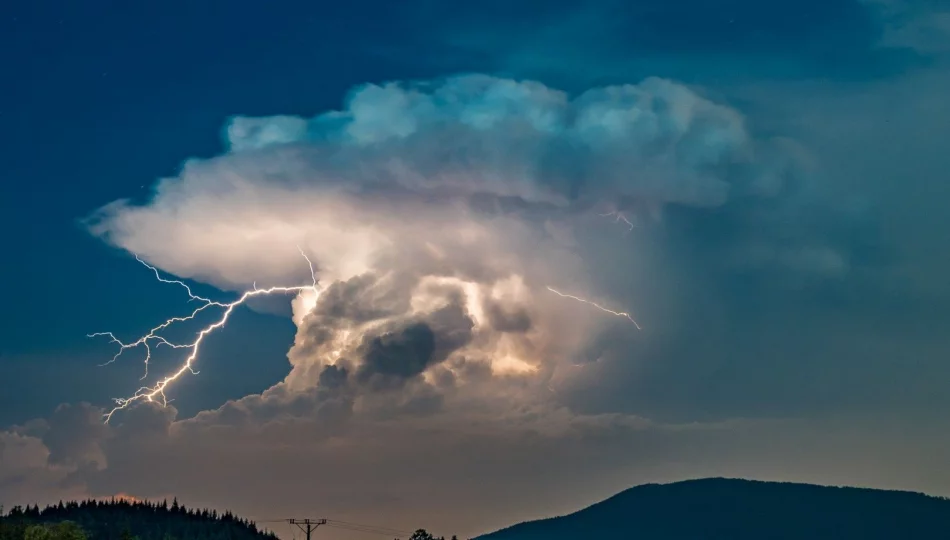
[439, 217]
[450, 158]
[151, 393]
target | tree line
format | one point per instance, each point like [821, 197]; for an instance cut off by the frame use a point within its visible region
[122, 519]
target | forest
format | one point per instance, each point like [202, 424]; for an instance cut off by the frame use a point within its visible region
[122, 519]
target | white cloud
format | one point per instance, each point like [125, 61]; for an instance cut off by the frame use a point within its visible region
[26, 475]
[342, 184]
[436, 215]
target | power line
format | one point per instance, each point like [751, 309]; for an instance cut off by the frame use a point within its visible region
[375, 529]
[311, 524]
[307, 525]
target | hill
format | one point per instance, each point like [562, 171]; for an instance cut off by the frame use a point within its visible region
[719, 508]
[124, 520]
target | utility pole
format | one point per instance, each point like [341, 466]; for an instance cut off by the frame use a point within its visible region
[307, 525]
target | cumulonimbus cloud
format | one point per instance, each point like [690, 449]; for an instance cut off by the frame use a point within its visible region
[350, 185]
[437, 214]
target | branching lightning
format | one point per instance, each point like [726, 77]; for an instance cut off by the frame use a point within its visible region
[154, 338]
[598, 306]
[619, 216]
[152, 335]
[152, 393]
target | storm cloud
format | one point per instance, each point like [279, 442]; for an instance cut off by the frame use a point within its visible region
[770, 214]
[440, 213]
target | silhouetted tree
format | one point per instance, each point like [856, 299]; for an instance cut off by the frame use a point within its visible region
[65, 530]
[121, 519]
[126, 535]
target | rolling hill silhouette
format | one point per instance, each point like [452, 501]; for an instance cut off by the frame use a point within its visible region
[719, 508]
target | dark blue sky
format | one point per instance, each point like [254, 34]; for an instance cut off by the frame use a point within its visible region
[784, 364]
[102, 100]
[105, 97]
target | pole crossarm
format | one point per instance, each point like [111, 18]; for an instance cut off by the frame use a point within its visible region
[307, 525]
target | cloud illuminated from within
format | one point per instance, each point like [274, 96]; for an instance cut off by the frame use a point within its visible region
[439, 213]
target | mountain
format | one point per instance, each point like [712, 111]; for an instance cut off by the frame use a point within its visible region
[719, 508]
[124, 520]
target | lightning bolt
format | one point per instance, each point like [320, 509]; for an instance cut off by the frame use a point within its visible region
[598, 306]
[619, 217]
[152, 335]
[153, 393]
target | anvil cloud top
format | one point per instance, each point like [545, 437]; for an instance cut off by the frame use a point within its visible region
[515, 247]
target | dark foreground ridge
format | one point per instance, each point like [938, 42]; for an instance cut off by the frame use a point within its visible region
[719, 508]
[125, 520]
[142, 520]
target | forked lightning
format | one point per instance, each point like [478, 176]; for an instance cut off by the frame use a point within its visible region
[619, 216]
[598, 306]
[151, 393]
[153, 337]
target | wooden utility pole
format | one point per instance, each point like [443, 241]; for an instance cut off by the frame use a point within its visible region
[307, 525]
